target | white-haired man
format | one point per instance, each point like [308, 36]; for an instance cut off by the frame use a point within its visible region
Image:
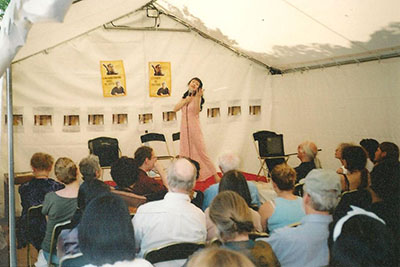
[307, 154]
[173, 219]
[227, 162]
[306, 244]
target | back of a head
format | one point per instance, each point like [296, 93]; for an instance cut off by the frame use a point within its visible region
[363, 241]
[106, 232]
[284, 177]
[311, 151]
[215, 256]
[228, 162]
[124, 172]
[235, 181]
[65, 170]
[355, 157]
[385, 180]
[89, 167]
[370, 145]
[391, 149]
[231, 215]
[324, 188]
[181, 175]
[42, 161]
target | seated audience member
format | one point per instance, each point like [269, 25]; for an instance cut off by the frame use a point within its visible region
[32, 194]
[214, 256]
[386, 151]
[130, 178]
[306, 244]
[59, 206]
[228, 162]
[68, 238]
[173, 219]
[90, 168]
[354, 159]
[232, 217]
[234, 181]
[370, 145]
[338, 155]
[355, 182]
[197, 197]
[307, 154]
[106, 235]
[361, 239]
[286, 208]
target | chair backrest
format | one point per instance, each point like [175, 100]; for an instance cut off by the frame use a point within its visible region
[106, 148]
[175, 145]
[298, 189]
[34, 211]
[162, 152]
[255, 235]
[132, 200]
[176, 136]
[34, 215]
[73, 260]
[270, 144]
[173, 251]
[54, 235]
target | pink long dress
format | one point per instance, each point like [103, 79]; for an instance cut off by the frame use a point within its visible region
[192, 141]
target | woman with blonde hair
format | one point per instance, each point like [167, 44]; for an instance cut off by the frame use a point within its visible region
[233, 220]
[220, 257]
[286, 208]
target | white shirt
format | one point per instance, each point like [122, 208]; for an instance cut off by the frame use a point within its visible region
[173, 219]
[134, 263]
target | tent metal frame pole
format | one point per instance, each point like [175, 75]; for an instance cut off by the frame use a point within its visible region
[11, 200]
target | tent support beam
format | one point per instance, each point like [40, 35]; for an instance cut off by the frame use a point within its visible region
[11, 200]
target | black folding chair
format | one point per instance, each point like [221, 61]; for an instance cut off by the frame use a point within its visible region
[173, 251]
[158, 138]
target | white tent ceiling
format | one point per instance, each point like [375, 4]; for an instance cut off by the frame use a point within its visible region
[284, 34]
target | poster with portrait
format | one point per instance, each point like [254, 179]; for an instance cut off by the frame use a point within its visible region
[159, 79]
[113, 78]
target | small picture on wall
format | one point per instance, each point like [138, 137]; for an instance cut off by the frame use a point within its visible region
[113, 78]
[71, 120]
[18, 120]
[159, 79]
[169, 116]
[120, 118]
[213, 113]
[255, 110]
[145, 118]
[234, 111]
[96, 119]
[42, 120]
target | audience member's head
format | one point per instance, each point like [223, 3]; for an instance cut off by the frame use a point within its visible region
[370, 145]
[386, 151]
[354, 159]
[197, 166]
[235, 181]
[307, 151]
[87, 192]
[284, 177]
[181, 176]
[221, 257]
[42, 162]
[362, 239]
[124, 172]
[65, 170]
[339, 149]
[228, 161]
[231, 215]
[106, 232]
[90, 167]
[322, 188]
[385, 180]
[145, 158]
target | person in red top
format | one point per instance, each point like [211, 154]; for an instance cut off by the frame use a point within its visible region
[130, 174]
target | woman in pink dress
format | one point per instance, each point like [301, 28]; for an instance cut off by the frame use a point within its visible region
[191, 137]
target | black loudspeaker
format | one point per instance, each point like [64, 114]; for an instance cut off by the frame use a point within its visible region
[106, 148]
[270, 144]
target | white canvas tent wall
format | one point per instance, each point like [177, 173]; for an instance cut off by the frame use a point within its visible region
[61, 73]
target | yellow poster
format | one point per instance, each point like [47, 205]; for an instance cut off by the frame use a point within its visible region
[113, 78]
[159, 79]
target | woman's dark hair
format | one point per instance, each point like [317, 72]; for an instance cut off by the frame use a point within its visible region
[356, 159]
[364, 241]
[370, 145]
[142, 153]
[200, 86]
[197, 165]
[235, 181]
[385, 180]
[88, 191]
[106, 232]
[124, 172]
